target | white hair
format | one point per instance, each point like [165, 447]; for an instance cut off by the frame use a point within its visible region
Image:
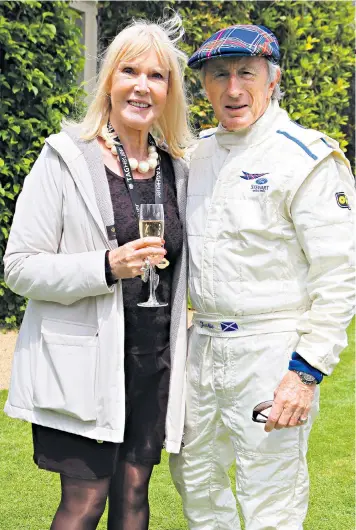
[273, 70]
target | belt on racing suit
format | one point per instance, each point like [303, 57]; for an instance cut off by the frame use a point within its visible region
[234, 326]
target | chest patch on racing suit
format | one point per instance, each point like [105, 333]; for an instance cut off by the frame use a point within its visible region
[259, 181]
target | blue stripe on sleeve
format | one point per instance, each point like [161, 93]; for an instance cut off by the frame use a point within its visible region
[298, 142]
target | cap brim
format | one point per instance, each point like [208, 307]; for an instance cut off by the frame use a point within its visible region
[198, 63]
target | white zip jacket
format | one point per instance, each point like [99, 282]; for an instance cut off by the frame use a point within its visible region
[271, 236]
[68, 367]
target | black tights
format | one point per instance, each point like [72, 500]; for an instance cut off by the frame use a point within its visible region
[82, 504]
[83, 501]
[128, 497]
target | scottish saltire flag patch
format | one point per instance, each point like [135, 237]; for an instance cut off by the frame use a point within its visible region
[252, 176]
[229, 326]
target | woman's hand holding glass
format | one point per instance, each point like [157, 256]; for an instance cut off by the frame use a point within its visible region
[127, 260]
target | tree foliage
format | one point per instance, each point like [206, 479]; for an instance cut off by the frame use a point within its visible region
[40, 60]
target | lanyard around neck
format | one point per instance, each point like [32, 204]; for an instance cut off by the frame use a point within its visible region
[130, 183]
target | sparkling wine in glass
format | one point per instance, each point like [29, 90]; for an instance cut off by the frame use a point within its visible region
[151, 224]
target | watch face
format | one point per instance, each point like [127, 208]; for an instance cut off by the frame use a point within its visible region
[307, 378]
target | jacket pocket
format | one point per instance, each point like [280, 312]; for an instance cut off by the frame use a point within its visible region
[65, 373]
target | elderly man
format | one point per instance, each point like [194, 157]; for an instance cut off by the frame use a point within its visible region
[270, 231]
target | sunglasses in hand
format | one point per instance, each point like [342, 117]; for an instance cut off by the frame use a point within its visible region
[261, 411]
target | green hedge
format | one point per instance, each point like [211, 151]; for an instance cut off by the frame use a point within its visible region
[40, 61]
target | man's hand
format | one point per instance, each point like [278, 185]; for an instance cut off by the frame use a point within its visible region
[292, 402]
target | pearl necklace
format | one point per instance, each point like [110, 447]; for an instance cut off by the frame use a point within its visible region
[143, 166]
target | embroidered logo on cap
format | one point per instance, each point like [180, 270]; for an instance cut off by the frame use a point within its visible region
[252, 176]
[229, 326]
[342, 200]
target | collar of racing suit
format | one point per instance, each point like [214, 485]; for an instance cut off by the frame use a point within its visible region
[255, 133]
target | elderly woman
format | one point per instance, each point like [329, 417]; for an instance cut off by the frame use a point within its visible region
[100, 378]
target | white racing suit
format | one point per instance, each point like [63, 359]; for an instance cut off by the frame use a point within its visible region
[271, 235]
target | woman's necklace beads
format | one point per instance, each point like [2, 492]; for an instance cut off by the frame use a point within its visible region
[142, 166]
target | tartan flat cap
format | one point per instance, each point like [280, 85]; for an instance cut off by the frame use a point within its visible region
[242, 40]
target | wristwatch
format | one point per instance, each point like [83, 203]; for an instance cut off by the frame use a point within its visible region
[305, 378]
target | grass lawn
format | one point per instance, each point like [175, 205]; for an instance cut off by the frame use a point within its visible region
[29, 497]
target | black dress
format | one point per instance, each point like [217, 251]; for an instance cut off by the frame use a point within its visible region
[147, 352]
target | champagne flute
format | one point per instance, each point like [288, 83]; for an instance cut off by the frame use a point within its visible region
[151, 224]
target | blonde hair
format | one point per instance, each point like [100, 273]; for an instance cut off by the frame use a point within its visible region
[173, 126]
